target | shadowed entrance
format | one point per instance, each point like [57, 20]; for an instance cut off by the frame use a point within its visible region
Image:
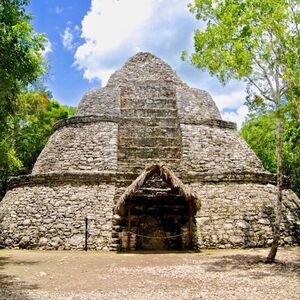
[157, 212]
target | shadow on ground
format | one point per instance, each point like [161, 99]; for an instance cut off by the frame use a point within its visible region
[164, 252]
[254, 265]
[11, 287]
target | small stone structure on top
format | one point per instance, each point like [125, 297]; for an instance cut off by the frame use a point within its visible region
[152, 166]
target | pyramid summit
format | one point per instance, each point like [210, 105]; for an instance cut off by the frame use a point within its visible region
[151, 165]
[143, 67]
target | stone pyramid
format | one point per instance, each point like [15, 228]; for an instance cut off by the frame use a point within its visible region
[148, 139]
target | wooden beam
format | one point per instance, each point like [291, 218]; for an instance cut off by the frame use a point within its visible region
[129, 225]
[86, 234]
[190, 226]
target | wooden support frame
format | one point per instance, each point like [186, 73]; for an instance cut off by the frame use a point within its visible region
[86, 234]
[129, 225]
[190, 226]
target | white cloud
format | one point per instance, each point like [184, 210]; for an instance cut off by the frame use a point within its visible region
[237, 116]
[67, 39]
[48, 48]
[230, 99]
[231, 103]
[113, 30]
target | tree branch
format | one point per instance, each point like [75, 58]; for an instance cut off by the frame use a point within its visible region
[296, 23]
[265, 73]
[260, 90]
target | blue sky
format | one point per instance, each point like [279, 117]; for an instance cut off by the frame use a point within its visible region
[89, 39]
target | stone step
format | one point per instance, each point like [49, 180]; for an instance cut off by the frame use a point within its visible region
[149, 142]
[155, 190]
[125, 168]
[135, 172]
[136, 131]
[149, 103]
[144, 140]
[149, 121]
[150, 149]
[149, 152]
[147, 112]
[149, 161]
[140, 195]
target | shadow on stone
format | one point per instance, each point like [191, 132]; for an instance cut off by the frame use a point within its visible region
[10, 286]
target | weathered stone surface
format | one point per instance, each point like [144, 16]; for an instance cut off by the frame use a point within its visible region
[144, 116]
[144, 67]
[194, 105]
[24, 242]
[103, 101]
[43, 241]
[214, 150]
[245, 213]
[90, 147]
[60, 227]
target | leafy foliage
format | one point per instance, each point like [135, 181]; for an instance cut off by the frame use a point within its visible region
[259, 132]
[20, 53]
[33, 126]
[250, 39]
[29, 130]
[21, 63]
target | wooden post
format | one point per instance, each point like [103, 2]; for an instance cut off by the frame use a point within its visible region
[190, 226]
[129, 226]
[86, 234]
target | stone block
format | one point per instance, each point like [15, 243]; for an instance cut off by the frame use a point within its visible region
[243, 224]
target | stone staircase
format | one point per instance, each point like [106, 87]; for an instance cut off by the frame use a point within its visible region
[149, 129]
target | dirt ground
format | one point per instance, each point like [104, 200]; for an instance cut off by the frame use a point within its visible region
[211, 274]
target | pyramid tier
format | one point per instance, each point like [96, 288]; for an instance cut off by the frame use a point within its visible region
[149, 138]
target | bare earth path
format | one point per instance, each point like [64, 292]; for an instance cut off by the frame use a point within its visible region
[221, 274]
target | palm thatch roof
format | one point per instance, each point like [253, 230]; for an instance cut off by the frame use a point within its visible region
[167, 176]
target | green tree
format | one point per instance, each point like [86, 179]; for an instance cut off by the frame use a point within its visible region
[33, 126]
[257, 41]
[21, 48]
[259, 133]
[30, 129]
[21, 63]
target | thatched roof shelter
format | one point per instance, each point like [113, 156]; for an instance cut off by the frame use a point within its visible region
[168, 176]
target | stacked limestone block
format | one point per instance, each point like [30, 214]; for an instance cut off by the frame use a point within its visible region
[145, 115]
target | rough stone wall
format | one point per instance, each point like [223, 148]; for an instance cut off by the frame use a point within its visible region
[80, 147]
[242, 215]
[215, 150]
[103, 101]
[53, 216]
[144, 67]
[194, 105]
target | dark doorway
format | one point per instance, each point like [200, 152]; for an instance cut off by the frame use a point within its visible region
[160, 223]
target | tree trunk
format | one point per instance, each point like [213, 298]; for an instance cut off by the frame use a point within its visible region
[278, 213]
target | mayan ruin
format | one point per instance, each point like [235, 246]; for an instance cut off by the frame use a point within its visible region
[147, 163]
